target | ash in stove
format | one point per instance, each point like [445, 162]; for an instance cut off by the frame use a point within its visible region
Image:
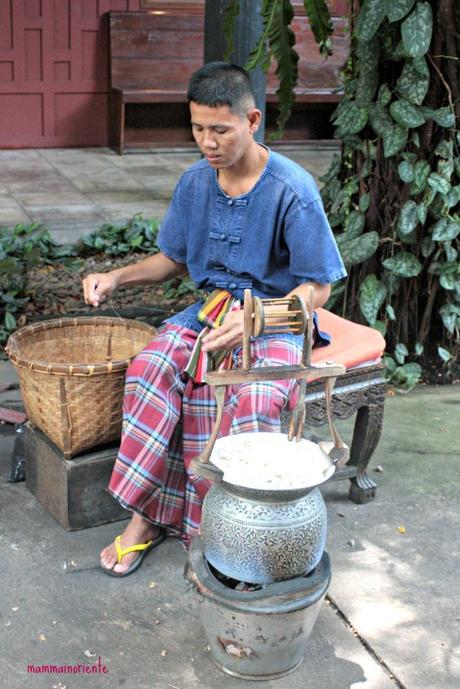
[244, 586]
[234, 583]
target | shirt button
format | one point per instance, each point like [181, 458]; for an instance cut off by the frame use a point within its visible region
[222, 236]
[230, 203]
[232, 285]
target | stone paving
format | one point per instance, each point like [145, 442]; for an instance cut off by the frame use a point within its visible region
[390, 621]
[74, 191]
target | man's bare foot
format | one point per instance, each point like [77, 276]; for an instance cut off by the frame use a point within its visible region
[138, 531]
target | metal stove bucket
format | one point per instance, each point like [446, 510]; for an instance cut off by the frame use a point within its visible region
[261, 634]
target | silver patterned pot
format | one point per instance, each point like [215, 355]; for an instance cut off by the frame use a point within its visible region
[261, 536]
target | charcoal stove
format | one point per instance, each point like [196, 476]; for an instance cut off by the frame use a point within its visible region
[260, 632]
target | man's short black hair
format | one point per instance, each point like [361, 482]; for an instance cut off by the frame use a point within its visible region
[222, 83]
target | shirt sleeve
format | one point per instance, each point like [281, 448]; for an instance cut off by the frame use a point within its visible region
[313, 251]
[171, 237]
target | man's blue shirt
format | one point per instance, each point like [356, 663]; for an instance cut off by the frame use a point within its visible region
[271, 239]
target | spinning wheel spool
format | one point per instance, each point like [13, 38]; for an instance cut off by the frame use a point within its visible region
[285, 315]
[279, 315]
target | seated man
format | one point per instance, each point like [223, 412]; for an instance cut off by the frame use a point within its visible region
[242, 217]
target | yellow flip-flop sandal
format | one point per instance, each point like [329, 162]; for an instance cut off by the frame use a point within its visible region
[143, 549]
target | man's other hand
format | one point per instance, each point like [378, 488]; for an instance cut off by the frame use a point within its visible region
[228, 335]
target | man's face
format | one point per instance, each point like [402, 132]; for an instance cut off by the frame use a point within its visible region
[222, 135]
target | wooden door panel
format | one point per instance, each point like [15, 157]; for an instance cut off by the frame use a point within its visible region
[54, 75]
[26, 116]
[85, 115]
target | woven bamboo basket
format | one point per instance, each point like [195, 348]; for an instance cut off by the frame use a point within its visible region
[72, 372]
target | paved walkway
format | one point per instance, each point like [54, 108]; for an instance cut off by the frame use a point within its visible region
[74, 191]
[391, 620]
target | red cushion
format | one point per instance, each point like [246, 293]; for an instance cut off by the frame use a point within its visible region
[352, 344]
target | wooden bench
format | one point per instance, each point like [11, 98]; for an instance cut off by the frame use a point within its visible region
[152, 56]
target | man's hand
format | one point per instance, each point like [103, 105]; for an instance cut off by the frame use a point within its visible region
[97, 287]
[151, 270]
[228, 335]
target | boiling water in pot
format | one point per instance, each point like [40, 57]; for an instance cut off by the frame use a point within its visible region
[269, 461]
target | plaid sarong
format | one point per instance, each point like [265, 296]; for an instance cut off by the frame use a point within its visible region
[168, 417]
[212, 313]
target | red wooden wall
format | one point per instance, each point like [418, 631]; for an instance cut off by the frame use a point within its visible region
[54, 71]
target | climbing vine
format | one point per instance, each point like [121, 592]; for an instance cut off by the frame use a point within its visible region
[393, 193]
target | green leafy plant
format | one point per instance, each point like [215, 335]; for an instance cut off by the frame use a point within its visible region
[398, 180]
[21, 248]
[137, 235]
[393, 193]
[399, 372]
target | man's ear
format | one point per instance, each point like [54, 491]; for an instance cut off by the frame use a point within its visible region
[254, 117]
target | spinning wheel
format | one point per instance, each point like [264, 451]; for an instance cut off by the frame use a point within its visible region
[268, 316]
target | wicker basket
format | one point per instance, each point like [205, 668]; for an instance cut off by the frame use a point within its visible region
[72, 372]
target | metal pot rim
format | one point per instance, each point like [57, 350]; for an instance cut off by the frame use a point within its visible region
[318, 477]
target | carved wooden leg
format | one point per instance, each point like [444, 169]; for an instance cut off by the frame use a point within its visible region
[366, 435]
